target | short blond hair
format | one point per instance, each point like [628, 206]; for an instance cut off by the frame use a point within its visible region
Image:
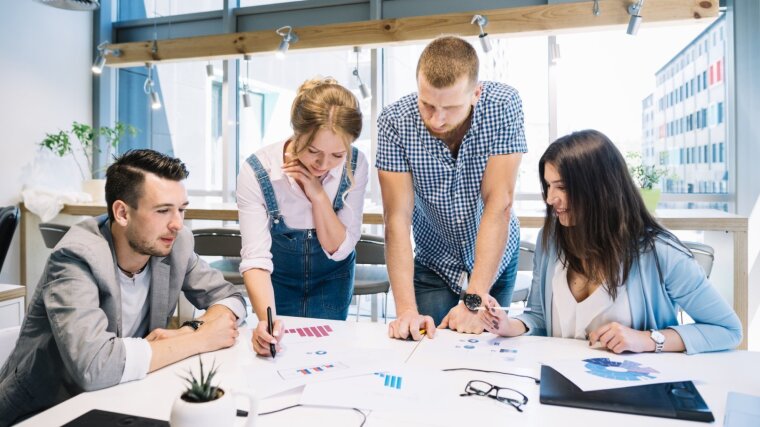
[446, 59]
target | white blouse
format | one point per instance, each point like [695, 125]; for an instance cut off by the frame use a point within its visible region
[573, 319]
[294, 206]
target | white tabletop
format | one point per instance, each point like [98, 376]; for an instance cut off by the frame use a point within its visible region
[715, 374]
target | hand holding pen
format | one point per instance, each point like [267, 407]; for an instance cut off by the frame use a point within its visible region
[262, 338]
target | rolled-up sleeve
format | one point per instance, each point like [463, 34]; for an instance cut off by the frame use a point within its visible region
[254, 223]
[353, 209]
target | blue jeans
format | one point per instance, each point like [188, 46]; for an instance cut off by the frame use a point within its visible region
[435, 298]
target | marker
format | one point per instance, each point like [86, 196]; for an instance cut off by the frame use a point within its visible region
[506, 308]
[270, 329]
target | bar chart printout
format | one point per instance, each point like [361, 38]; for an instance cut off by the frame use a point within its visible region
[311, 331]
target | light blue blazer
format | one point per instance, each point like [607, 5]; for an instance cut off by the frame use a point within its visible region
[653, 301]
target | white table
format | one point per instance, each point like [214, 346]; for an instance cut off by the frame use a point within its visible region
[714, 374]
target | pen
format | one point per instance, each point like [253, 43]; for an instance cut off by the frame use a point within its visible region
[422, 332]
[270, 330]
[506, 308]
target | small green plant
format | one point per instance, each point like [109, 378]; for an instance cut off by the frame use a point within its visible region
[646, 176]
[200, 389]
[61, 143]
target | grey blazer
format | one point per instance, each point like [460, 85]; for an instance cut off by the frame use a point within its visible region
[70, 341]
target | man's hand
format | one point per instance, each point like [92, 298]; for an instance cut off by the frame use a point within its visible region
[618, 338]
[162, 334]
[261, 338]
[461, 319]
[218, 332]
[409, 323]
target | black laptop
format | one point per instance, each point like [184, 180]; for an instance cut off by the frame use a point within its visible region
[679, 400]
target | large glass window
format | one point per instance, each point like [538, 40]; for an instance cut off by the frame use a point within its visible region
[141, 9]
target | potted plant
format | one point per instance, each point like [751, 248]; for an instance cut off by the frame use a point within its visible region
[204, 404]
[646, 176]
[88, 138]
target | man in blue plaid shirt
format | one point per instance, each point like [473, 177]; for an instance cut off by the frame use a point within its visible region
[448, 158]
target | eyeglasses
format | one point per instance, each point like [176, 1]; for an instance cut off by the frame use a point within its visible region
[506, 395]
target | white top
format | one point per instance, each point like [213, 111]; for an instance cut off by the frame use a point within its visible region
[134, 321]
[573, 319]
[294, 206]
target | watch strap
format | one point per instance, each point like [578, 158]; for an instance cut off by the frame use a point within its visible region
[195, 324]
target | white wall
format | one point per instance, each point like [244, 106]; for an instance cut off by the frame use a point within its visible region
[45, 84]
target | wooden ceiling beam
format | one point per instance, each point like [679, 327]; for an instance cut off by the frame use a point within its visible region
[373, 33]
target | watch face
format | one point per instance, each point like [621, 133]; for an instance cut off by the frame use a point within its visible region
[472, 301]
[658, 337]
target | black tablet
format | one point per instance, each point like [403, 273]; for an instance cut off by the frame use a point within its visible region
[679, 400]
[99, 418]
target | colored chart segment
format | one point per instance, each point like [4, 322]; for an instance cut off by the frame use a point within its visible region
[391, 381]
[626, 370]
[287, 374]
[311, 331]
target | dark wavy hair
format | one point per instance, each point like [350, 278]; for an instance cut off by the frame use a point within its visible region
[126, 175]
[611, 225]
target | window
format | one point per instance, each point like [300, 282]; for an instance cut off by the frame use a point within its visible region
[141, 9]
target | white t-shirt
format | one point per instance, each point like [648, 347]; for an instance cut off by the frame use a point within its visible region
[573, 319]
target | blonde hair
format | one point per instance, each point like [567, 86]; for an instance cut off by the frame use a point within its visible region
[321, 103]
[446, 59]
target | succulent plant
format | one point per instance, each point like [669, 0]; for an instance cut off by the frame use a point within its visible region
[200, 389]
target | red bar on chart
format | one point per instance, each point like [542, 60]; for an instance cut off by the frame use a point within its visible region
[316, 332]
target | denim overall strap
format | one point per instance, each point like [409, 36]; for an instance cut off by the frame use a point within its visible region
[266, 187]
[344, 182]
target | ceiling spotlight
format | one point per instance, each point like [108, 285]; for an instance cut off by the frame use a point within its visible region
[596, 9]
[100, 60]
[288, 37]
[482, 21]
[635, 11]
[210, 70]
[155, 100]
[366, 93]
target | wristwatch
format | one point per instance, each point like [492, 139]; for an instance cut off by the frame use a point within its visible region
[471, 301]
[195, 324]
[658, 338]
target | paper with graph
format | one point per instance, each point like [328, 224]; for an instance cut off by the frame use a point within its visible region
[399, 388]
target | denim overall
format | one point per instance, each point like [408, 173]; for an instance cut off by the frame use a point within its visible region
[306, 283]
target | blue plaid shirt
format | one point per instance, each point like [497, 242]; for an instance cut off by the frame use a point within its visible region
[448, 204]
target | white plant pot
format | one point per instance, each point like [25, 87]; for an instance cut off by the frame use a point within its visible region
[219, 412]
[96, 188]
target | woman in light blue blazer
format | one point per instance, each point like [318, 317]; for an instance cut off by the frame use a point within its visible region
[604, 269]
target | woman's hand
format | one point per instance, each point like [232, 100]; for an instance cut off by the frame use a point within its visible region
[618, 338]
[261, 338]
[495, 321]
[310, 184]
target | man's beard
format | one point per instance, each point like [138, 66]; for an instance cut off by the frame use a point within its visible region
[445, 136]
[143, 247]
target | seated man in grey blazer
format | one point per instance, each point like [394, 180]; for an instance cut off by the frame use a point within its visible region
[108, 291]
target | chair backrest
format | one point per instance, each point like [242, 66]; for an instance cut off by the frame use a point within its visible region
[8, 222]
[527, 250]
[370, 250]
[704, 254]
[52, 233]
[218, 242]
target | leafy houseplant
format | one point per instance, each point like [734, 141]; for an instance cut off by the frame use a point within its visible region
[646, 176]
[203, 404]
[62, 144]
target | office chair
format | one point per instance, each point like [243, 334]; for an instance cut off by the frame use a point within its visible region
[9, 217]
[524, 272]
[52, 233]
[371, 274]
[223, 242]
[704, 254]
